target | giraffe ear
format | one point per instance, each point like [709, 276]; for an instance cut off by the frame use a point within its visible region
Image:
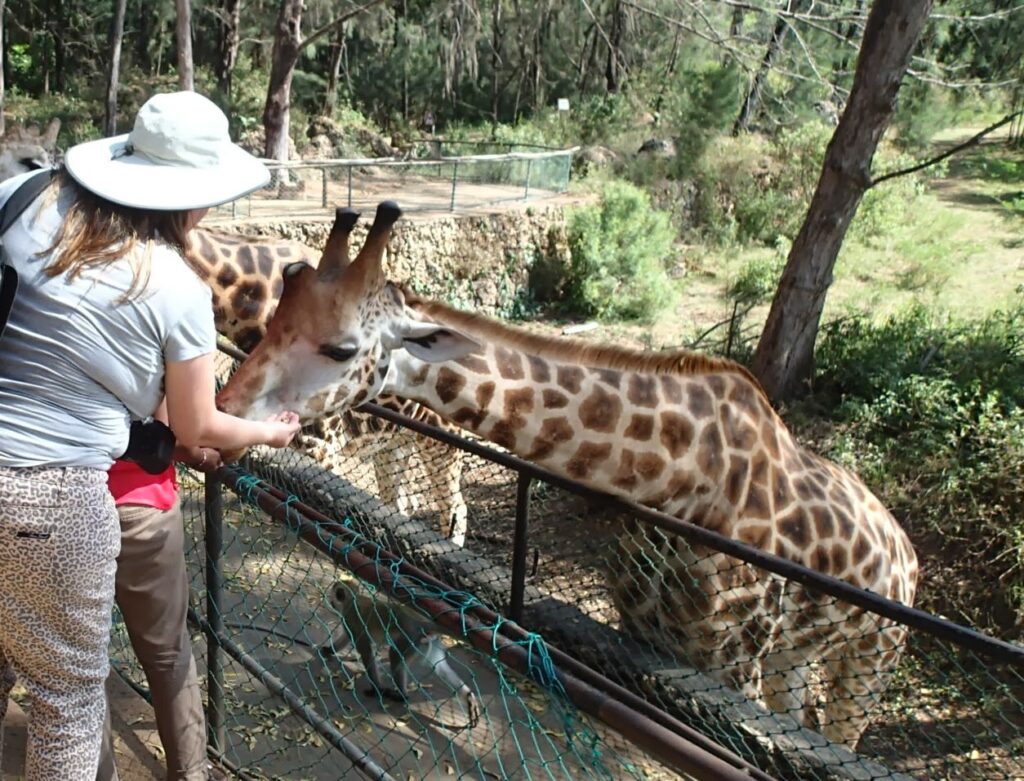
[435, 343]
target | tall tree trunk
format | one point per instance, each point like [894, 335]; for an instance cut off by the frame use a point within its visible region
[334, 71]
[613, 66]
[230, 20]
[496, 41]
[288, 44]
[114, 69]
[753, 97]
[283, 58]
[784, 359]
[143, 25]
[60, 28]
[3, 64]
[183, 34]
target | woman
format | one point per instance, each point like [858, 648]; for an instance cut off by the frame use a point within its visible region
[109, 318]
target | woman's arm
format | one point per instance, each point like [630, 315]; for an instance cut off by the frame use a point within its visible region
[195, 420]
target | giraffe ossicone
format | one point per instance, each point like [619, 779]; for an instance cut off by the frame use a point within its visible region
[690, 435]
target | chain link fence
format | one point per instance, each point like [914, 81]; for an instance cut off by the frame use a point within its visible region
[433, 178]
[523, 544]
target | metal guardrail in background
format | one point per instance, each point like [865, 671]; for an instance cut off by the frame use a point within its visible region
[442, 183]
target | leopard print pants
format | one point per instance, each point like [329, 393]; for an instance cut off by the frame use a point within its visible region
[59, 540]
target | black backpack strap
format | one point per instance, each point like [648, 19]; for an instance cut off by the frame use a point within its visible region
[23, 196]
[9, 212]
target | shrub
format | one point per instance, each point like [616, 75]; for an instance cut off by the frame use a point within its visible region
[618, 253]
[931, 413]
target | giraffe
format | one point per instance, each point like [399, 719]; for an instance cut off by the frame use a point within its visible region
[690, 435]
[27, 149]
[415, 474]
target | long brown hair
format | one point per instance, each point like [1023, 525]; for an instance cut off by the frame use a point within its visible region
[96, 232]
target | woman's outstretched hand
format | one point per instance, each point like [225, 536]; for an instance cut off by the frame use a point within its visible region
[281, 428]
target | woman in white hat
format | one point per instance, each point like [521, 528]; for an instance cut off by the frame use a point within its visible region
[109, 318]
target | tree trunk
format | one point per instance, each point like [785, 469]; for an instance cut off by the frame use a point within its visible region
[114, 70]
[183, 33]
[142, 38]
[496, 42]
[613, 66]
[59, 65]
[753, 98]
[283, 58]
[231, 11]
[3, 62]
[334, 71]
[784, 359]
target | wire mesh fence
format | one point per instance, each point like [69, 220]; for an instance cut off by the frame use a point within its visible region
[317, 656]
[438, 181]
[766, 666]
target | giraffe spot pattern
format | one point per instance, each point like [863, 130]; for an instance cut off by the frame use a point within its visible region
[676, 433]
[449, 384]
[553, 399]
[553, 432]
[474, 363]
[642, 390]
[600, 411]
[540, 370]
[587, 457]
[640, 427]
[508, 363]
[570, 378]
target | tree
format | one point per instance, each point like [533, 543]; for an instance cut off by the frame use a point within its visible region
[753, 98]
[784, 358]
[183, 33]
[288, 45]
[230, 21]
[114, 68]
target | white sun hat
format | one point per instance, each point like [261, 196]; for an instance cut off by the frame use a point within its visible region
[178, 156]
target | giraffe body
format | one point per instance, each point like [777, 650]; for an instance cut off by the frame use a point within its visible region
[692, 436]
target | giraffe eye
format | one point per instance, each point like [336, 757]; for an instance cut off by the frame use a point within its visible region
[337, 352]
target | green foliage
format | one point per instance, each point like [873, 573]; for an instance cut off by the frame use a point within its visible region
[931, 413]
[759, 277]
[619, 250]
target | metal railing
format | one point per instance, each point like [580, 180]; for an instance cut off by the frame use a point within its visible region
[435, 184]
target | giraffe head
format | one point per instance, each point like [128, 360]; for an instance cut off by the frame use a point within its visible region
[328, 346]
[23, 150]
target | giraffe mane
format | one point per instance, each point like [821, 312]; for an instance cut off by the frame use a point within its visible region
[605, 356]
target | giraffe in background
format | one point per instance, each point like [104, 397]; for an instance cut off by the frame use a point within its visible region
[416, 474]
[692, 436]
[28, 149]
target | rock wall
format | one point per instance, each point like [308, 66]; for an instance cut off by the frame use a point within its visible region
[483, 262]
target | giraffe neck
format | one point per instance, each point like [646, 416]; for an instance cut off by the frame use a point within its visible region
[659, 438]
[245, 274]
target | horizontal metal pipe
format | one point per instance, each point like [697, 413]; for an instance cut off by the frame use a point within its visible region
[965, 637]
[674, 750]
[359, 758]
[516, 633]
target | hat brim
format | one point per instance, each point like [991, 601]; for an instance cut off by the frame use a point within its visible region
[132, 180]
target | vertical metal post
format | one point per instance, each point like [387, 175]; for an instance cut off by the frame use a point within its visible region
[455, 177]
[350, 187]
[529, 170]
[213, 502]
[323, 187]
[234, 208]
[519, 544]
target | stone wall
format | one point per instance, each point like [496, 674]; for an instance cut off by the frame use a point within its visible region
[484, 262]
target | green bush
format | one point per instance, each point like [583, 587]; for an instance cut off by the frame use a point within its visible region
[931, 413]
[619, 250]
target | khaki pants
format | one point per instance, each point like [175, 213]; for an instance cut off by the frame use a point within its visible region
[58, 543]
[152, 593]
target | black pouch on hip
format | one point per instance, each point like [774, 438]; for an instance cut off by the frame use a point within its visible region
[150, 445]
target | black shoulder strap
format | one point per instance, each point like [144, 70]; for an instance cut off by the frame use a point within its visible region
[9, 212]
[23, 196]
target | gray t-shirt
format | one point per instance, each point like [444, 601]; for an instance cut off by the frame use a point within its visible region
[76, 363]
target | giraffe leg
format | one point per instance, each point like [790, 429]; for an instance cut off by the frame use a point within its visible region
[858, 672]
[444, 488]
